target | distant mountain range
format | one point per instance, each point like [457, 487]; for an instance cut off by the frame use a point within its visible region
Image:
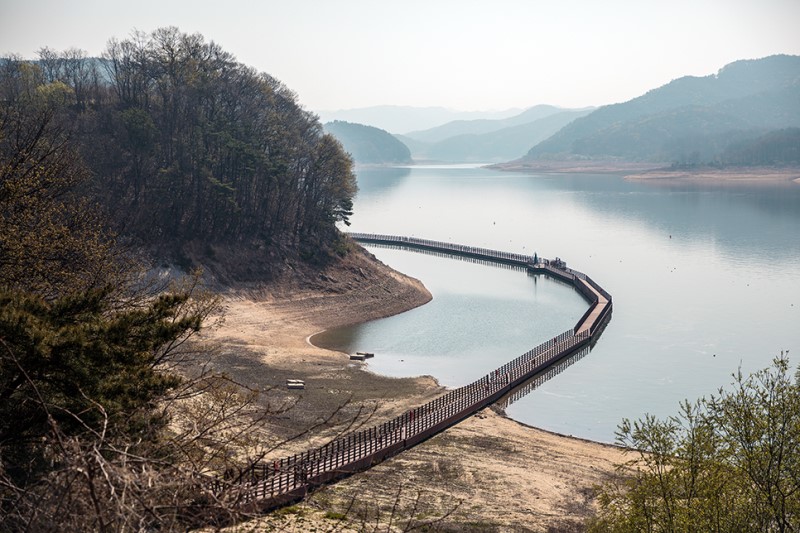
[483, 125]
[689, 120]
[369, 145]
[479, 140]
[402, 119]
[489, 140]
[746, 113]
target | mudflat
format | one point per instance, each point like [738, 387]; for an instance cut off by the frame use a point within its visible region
[732, 176]
[656, 173]
[487, 473]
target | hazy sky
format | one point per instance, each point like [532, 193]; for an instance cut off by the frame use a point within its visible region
[460, 54]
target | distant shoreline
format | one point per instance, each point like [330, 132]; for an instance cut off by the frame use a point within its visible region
[733, 175]
[650, 171]
[575, 167]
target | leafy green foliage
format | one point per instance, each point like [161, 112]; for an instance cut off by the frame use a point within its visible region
[77, 362]
[727, 463]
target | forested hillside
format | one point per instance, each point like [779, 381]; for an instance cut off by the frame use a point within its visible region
[187, 146]
[689, 120]
[111, 418]
[369, 145]
[781, 147]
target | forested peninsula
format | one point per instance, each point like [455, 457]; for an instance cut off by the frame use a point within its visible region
[121, 177]
[182, 145]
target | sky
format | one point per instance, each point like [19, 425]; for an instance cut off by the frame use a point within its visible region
[464, 55]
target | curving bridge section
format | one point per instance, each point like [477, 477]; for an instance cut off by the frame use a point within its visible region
[268, 485]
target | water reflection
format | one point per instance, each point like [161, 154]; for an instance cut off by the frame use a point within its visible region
[738, 217]
[476, 206]
[704, 280]
[380, 180]
[481, 316]
[535, 382]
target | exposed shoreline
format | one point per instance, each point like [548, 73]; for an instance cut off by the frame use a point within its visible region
[763, 175]
[733, 176]
[576, 167]
[510, 474]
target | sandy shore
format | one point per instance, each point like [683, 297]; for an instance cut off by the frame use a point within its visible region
[587, 166]
[732, 176]
[655, 173]
[487, 473]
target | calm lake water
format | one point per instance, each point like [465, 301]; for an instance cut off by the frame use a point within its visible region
[705, 280]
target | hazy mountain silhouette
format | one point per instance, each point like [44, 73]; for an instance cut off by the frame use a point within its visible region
[483, 125]
[402, 119]
[369, 145]
[498, 144]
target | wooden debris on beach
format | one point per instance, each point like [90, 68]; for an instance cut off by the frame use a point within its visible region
[295, 384]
